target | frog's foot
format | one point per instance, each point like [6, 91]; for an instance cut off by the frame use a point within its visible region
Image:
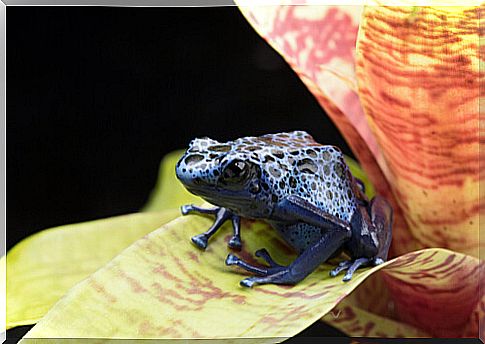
[275, 273]
[234, 260]
[190, 208]
[352, 266]
[263, 271]
[222, 215]
[282, 277]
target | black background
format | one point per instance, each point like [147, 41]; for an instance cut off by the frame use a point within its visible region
[96, 96]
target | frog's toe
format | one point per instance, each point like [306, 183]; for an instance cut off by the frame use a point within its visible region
[355, 265]
[277, 276]
[235, 243]
[377, 261]
[348, 276]
[264, 254]
[185, 209]
[345, 263]
[247, 282]
[361, 262]
[352, 266]
[190, 208]
[200, 241]
[341, 266]
[231, 259]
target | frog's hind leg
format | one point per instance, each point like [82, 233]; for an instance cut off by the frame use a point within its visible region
[293, 208]
[301, 267]
[382, 217]
[222, 215]
[374, 246]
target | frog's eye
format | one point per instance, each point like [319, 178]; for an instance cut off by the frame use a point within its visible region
[235, 170]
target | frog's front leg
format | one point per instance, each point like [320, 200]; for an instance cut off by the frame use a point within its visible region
[293, 208]
[374, 247]
[222, 215]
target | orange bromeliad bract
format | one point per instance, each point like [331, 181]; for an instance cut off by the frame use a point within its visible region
[402, 84]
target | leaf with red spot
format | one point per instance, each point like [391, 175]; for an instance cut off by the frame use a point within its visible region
[41, 268]
[434, 289]
[440, 299]
[44, 266]
[357, 322]
[164, 287]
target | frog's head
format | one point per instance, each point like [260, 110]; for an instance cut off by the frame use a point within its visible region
[222, 174]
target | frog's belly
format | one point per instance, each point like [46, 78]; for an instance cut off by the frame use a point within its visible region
[300, 235]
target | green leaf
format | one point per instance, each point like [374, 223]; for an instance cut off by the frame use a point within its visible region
[164, 287]
[357, 172]
[44, 266]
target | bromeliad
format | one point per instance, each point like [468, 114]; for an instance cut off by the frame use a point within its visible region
[407, 101]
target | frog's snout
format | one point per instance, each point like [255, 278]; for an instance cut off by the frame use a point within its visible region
[182, 172]
[191, 169]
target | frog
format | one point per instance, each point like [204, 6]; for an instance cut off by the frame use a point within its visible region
[301, 188]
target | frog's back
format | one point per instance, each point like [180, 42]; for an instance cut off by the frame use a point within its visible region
[295, 164]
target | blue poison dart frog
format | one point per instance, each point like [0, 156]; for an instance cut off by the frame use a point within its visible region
[301, 188]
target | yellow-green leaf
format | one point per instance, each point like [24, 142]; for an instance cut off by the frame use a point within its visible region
[357, 172]
[3, 291]
[163, 287]
[169, 192]
[43, 267]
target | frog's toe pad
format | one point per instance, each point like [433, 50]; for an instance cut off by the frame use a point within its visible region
[360, 262]
[341, 266]
[348, 276]
[200, 241]
[247, 282]
[235, 243]
[232, 259]
[377, 261]
[185, 209]
[352, 266]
